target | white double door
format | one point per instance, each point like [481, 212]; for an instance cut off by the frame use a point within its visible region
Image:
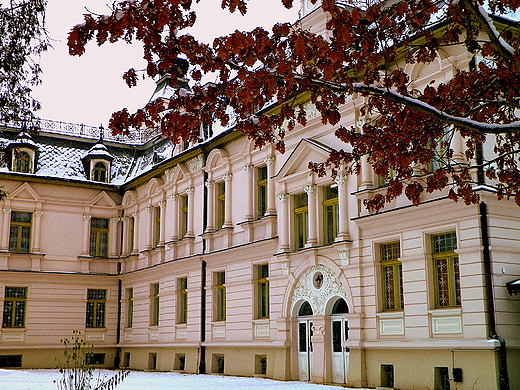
[340, 353]
[305, 349]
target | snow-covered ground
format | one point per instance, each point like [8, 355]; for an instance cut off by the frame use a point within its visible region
[43, 380]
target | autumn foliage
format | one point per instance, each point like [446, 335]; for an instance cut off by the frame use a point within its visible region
[407, 135]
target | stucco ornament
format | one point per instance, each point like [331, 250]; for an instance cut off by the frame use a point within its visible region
[317, 286]
[196, 163]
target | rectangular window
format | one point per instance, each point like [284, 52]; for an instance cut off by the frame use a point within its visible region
[446, 267]
[221, 204]
[156, 226]
[301, 211]
[261, 186]
[154, 304]
[20, 234]
[391, 275]
[330, 214]
[220, 296]
[184, 216]
[96, 305]
[263, 291]
[14, 307]
[99, 237]
[183, 300]
[129, 307]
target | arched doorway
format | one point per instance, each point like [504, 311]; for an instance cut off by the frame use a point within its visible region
[340, 353]
[304, 341]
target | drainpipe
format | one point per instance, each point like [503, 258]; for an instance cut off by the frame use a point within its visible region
[486, 253]
[503, 374]
[117, 359]
[202, 360]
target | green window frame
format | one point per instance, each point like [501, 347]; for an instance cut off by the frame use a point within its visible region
[99, 237]
[96, 308]
[184, 215]
[330, 214]
[220, 204]
[183, 300]
[22, 162]
[261, 190]
[154, 304]
[263, 291]
[301, 211]
[99, 173]
[220, 296]
[20, 232]
[14, 307]
[392, 276]
[446, 269]
[129, 307]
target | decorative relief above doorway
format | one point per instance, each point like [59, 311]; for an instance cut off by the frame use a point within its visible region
[317, 286]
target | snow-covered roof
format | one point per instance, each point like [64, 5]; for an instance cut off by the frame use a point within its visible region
[62, 157]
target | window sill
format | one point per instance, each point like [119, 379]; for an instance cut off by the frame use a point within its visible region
[13, 335]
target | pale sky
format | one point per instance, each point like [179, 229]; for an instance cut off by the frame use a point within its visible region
[89, 88]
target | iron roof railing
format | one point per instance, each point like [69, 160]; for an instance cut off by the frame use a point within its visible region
[84, 131]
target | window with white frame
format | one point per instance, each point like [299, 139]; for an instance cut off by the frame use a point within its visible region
[391, 276]
[14, 307]
[446, 270]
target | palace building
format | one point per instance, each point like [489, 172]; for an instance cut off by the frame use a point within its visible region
[216, 257]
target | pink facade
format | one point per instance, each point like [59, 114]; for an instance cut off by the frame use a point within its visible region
[223, 259]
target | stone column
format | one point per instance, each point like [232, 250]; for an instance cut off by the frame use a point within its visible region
[190, 192]
[175, 217]
[271, 207]
[5, 228]
[228, 216]
[86, 234]
[248, 169]
[136, 232]
[125, 238]
[341, 181]
[162, 231]
[210, 184]
[149, 240]
[366, 173]
[283, 223]
[312, 223]
[37, 231]
[112, 234]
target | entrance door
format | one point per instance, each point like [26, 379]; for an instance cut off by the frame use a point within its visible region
[340, 353]
[304, 349]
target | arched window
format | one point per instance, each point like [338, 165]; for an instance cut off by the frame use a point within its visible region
[99, 173]
[23, 162]
[340, 307]
[305, 309]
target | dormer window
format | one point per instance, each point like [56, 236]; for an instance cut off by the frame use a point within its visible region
[97, 163]
[22, 162]
[22, 152]
[99, 173]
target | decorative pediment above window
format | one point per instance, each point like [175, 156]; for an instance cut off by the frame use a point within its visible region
[97, 163]
[298, 162]
[22, 152]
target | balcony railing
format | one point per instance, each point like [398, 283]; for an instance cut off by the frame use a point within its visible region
[91, 132]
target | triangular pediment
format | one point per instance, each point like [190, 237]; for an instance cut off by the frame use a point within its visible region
[306, 151]
[102, 200]
[25, 191]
